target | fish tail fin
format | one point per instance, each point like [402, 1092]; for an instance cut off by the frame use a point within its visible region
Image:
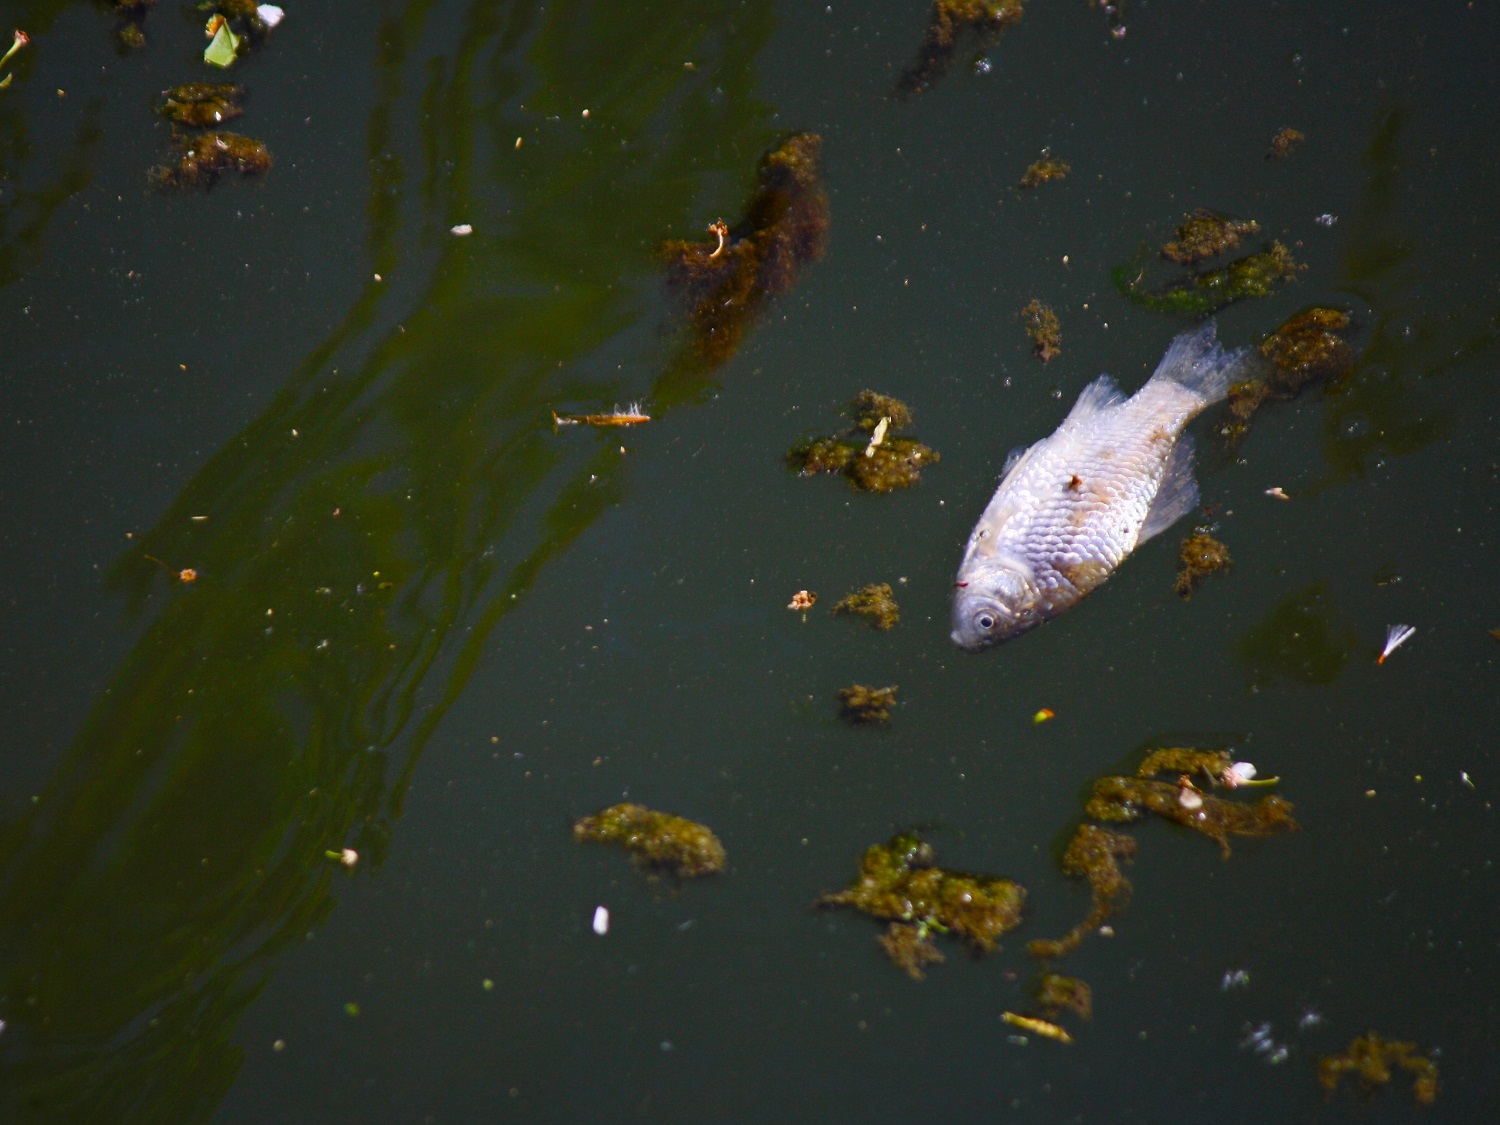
[1197, 364]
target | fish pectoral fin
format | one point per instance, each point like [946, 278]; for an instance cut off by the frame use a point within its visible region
[1100, 395]
[1178, 494]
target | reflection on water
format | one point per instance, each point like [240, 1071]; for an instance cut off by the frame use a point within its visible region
[355, 544]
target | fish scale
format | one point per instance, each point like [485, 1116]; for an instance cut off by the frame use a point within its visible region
[1072, 507]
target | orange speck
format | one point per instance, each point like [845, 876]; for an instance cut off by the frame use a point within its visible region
[1044, 715]
[187, 574]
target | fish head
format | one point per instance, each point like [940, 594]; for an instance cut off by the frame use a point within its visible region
[994, 602]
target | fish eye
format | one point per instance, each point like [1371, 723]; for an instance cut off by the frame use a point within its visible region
[985, 621]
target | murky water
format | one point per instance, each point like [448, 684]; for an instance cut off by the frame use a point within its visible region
[427, 627]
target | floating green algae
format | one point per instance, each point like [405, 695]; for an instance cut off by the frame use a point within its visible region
[871, 458]
[1200, 555]
[1370, 1058]
[724, 282]
[1307, 348]
[955, 26]
[1043, 171]
[202, 104]
[1198, 295]
[860, 704]
[1130, 798]
[1206, 234]
[205, 158]
[659, 840]
[877, 601]
[1190, 760]
[1044, 329]
[1093, 854]
[900, 882]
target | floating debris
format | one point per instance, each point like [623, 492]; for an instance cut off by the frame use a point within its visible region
[19, 40]
[1284, 143]
[900, 881]
[1310, 347]
[1277, 493]
[910, 947]
[347, 856]
[1044, 329]
[785, 228]
[1044, 1028]
[461, 230]
[224, 45]
[1260, 1040]
[1056, 993]
[1130, 798]
[1045, 715]
[860, 704]
[601, 920]
[1395, 637]
[202, 104]
[1094, 854]
[1234, 978]
[1201, 294]
[1371, 1058]
[952, 23]
[803, 600]
[877, 601]
[1043, 171]
[1201, 555]
[205, 158]
[658, 839]
[1206, 234]
[632, 415]
[891, 463]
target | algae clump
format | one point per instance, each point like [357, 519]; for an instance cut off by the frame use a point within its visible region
[876, 601]
[724, 282]
[861, 705]
[1056, 994]
[1206, 234]
[1371, 1058]
[203, 159]
[1094, 854]
[1130, 798]
[659, 840]
[951, 24]
[202, 104]
[1310, 347]
[1202, 294]
[1284, 143]
[1201, 555]
[1043, 171]
[899, 881]
[871, 460]
[1044, 329]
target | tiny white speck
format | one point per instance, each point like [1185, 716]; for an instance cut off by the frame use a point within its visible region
[601, 920]
[461, 230]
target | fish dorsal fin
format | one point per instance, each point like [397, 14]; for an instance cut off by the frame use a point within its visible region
[1178, 494]
[1097, 397]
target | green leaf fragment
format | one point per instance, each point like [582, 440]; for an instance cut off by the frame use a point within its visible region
[224, 47]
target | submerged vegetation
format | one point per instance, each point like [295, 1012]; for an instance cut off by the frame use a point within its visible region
[867, 454]
[1197, 295]
[722, 283]
[1044, 329]
[860, 704]
[1201, 555]
[659, 840]
[900, 882]
[877, 601]
[1307, 348]
[955, 26]
[1370, 1058]
[205, 158]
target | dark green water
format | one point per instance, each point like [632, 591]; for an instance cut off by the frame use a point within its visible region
[429, 628]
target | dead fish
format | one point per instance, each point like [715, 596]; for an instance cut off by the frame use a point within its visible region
[1071, 507]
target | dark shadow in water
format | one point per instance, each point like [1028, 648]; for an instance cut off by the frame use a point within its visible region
[1301, 640]
[363, 538]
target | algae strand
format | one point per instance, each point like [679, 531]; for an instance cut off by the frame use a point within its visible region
[1093, 854]
[1370, 1058]
[1130, 798]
